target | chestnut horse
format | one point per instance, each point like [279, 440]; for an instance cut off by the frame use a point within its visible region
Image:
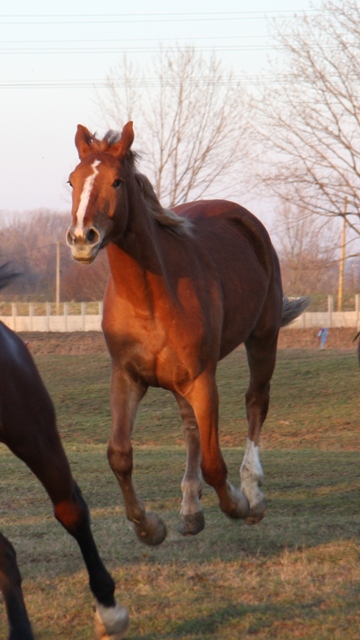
[186, 287]
[28, 428]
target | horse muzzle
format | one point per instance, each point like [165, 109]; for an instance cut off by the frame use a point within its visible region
[84, 245]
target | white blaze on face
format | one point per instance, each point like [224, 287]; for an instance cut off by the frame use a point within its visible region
[84, 199]
[251, 474]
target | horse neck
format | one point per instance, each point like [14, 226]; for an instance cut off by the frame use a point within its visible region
[136, 260]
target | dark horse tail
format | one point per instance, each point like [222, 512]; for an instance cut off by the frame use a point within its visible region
[358, 347]
[293, 308]
[7, 275]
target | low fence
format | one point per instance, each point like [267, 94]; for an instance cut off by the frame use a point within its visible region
[72, 320]
[329, 318]
[67, 321]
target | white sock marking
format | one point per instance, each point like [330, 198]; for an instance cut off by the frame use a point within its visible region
[84, 199]
[115, 619]
[251, 474]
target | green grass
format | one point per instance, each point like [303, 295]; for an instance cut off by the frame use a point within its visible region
[313, 398]
[295, 575]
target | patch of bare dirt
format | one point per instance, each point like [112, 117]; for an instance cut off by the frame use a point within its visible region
[74, 342]
[79, 342]
[307, 339]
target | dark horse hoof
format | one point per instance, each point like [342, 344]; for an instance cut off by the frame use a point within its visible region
[192, 524]
[151, 530]
[256, 513]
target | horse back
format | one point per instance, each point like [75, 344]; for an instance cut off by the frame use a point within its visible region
[224, 217]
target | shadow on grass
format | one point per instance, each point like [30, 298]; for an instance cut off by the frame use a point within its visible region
[225, 620]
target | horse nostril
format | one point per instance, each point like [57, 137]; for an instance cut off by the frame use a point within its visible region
[91, 235]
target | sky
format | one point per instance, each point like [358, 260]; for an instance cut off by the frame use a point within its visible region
[55, 58]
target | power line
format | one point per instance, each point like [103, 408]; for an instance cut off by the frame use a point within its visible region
[215, 15]
[104, 84]
[92, 50]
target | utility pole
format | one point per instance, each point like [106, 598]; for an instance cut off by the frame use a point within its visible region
[57, 285]
[342, 259]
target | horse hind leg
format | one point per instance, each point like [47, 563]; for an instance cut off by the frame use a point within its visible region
[192, 519]
[10, 586]
[261, 359]
[203, 397]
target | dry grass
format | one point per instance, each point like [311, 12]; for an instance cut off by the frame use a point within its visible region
[295, 575]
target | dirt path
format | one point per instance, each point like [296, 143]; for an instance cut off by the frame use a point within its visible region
[93, 341]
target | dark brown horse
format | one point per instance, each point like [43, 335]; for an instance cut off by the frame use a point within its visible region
[28, 428]
[186, 287]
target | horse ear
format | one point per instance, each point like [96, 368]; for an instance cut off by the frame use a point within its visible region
[120, 148]
[83, 141]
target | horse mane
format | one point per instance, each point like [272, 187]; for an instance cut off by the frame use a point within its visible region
[165, 217]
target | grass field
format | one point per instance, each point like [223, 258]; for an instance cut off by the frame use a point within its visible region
[295, 575]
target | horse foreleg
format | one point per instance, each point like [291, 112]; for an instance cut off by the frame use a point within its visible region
[49, 463]
[10, 586]
[111, 618]
[125, 398]
[261, 359]
[203, 397]
[192, 516]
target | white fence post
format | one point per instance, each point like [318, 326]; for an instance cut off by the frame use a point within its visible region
[14, 314]
[357, 309]
[48, 314]
[330, 310]
[66, 313]
[83, 314]
[31, 314]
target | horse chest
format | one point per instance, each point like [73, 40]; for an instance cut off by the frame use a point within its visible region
[147, 351]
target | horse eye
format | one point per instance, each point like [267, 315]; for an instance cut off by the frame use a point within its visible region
[69, 183]
[116, 183]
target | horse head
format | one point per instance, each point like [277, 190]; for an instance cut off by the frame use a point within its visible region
[98, 192]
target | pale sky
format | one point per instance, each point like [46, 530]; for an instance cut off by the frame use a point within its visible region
[55, 56]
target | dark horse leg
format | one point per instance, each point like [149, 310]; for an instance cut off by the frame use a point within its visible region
[10, 586]
[28, 428]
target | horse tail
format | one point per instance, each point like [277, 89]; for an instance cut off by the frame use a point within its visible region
[291, 309]
[7, 275]
[358, 347]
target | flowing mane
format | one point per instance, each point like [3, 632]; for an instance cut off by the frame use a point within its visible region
[165, 217]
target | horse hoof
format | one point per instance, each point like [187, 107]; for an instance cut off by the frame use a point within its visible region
[151, 531]
[191, 524]
[111, 623]
[257, 513]
[240, 510]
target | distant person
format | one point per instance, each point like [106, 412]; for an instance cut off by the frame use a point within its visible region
[322, 335]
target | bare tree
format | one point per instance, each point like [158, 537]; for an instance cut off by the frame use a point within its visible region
[305, 246]
[309, 121]
[190, 122]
